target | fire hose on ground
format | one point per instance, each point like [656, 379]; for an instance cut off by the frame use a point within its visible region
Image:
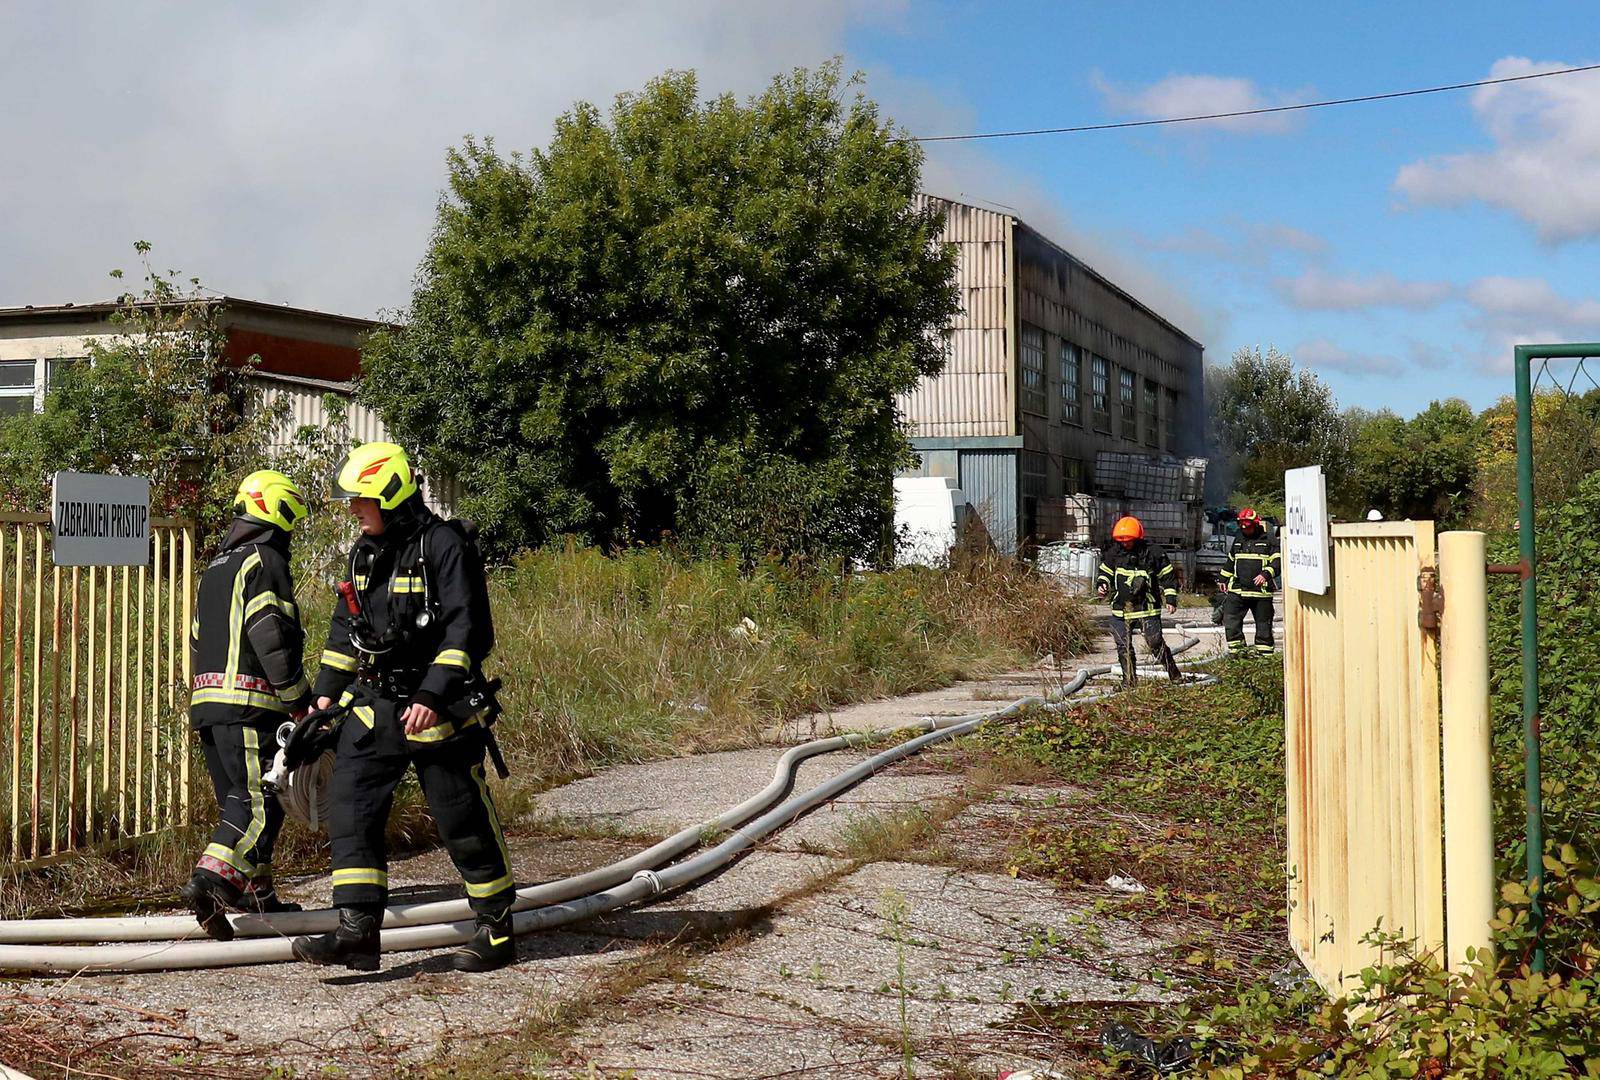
[161, 943]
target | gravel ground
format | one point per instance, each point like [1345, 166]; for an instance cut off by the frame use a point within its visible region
[800, 972]
[826, 981]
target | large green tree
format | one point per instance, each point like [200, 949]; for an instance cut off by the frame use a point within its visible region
[1422, 468]
[688, 317]
[1266, 416]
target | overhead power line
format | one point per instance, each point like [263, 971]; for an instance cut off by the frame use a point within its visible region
[1248, 112]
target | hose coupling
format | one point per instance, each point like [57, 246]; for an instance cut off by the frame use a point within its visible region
[652, 877]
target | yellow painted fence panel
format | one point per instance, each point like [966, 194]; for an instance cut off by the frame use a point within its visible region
[94, 689]
[1361, 711]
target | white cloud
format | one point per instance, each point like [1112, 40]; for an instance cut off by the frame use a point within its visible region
[1288, 238]
[1252, 242]
[1531, 300]
[1507, 311]
[1201, 95]
[1323, 355]
[1316, 290]
[1546, 154]
[294, 152]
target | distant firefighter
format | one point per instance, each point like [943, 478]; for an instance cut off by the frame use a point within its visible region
[1249, 580]
[1138, 577]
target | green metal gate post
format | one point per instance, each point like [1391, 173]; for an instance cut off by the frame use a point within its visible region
[1523, 356]
[1530, 650]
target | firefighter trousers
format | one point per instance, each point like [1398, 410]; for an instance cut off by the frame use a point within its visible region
[249, 816]
[1123, 632]
[1234, 608]
[369, 765]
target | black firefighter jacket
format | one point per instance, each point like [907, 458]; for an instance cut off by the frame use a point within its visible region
[1137, 579]
[245, 641]
[1252, 557]
[420, 563]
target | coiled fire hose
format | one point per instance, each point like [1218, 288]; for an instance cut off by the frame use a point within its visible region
[160, 943]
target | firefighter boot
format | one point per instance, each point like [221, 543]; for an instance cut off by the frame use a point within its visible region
[1171, 661]
[354, 944]
[261, 898]
[210, 897]
[492, 945]
[1130, 669]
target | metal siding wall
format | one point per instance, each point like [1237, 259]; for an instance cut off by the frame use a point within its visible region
[989, 481]
[972, 396]
[306, 409]
[1362, 744]
[937, 463]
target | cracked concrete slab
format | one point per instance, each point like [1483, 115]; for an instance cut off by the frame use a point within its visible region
[820, 991]
[662, 797]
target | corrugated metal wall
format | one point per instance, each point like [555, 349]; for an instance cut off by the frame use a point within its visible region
[1362, 743]
[306, 409]
[974, 393]
[988, 478]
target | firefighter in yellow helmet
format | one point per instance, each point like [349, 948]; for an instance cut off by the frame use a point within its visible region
[410, 632]
[244, 649]
[1138, 578]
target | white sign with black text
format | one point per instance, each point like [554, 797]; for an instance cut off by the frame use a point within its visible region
[1305, 530]
[100, 520]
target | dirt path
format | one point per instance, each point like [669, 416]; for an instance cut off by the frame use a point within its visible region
[886, 920]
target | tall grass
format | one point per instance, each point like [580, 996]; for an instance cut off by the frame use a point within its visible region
[644, 654]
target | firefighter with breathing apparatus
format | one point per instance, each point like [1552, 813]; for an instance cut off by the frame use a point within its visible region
[244, 650]
[410, 632]
[1248, 582]
[1138, 578]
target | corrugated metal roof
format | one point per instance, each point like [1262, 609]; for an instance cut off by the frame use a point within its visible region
[99, 308]
[1087, 269]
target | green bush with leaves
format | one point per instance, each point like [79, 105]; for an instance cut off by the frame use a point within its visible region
[686, 317]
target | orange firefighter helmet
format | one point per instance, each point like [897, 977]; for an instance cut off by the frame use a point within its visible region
[1128, 528]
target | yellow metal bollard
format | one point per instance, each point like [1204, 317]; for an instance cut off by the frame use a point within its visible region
[1468, 815]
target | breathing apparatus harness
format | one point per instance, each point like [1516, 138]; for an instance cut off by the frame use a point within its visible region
[480, 696]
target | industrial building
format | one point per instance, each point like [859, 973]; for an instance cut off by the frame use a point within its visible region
[1048, 365]
[301, 356]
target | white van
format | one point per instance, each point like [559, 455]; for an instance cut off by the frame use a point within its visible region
[929, 514]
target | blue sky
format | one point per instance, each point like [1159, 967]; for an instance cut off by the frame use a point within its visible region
[294, 152]
[1358, 238]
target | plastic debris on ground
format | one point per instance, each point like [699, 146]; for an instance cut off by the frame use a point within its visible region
[1164, 1058]
[1118, 883]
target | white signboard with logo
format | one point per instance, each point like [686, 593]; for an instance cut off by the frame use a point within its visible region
[100, 520]
[1304, 540]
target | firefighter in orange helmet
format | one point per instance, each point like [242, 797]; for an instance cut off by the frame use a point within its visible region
[1138, 579]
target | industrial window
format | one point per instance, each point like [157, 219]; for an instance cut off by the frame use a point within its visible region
[1100, 393]
[1130, 418]
[1169, 423]
[1033, 474]
[1071, 384]
[1152, 413]
[1033, 392]
[16, 386]
[1071, 476]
